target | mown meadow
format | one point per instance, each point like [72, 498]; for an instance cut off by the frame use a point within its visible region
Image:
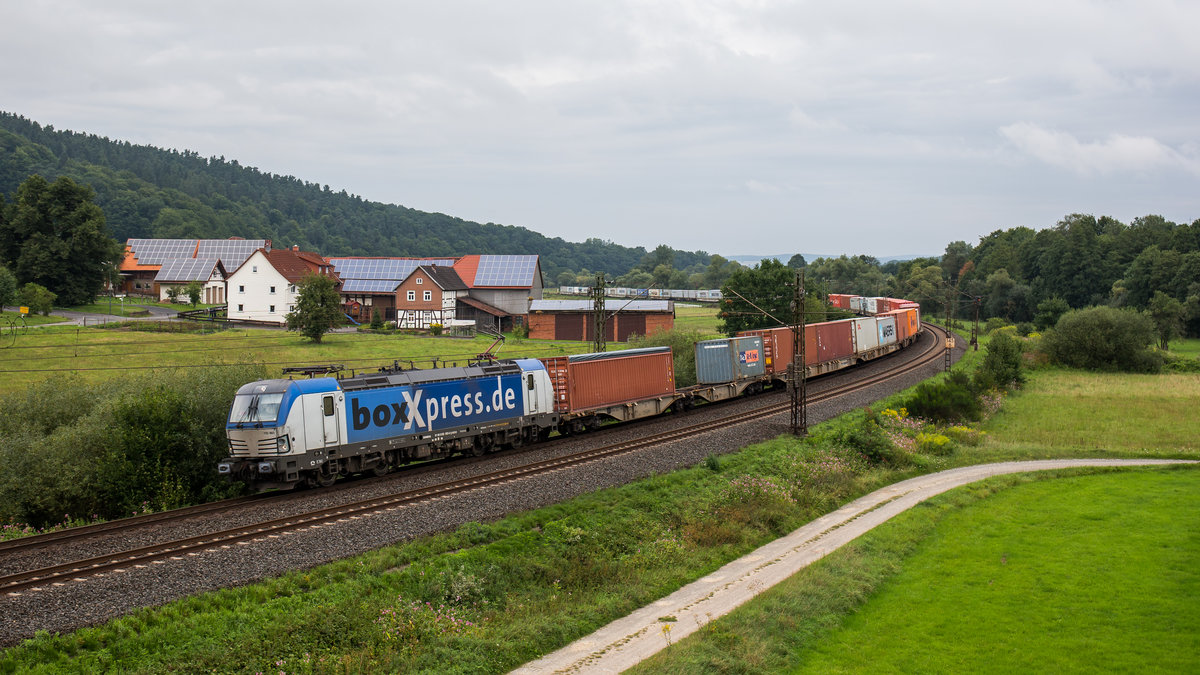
[487, 597]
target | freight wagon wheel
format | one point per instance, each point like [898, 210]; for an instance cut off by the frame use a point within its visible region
[323, 479]
[381, 469]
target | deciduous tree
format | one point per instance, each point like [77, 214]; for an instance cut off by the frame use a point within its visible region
[54, 236]
[318, 307]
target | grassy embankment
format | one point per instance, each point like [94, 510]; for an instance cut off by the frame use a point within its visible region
[1064, 571]
[527, 584]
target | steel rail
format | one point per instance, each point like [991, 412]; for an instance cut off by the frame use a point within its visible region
[60, 574]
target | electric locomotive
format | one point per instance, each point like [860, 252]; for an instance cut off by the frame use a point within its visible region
[284, 433]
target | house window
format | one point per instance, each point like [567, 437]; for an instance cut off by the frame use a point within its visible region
[254, 268]
[412, 296]
[241, 308]
[292, 288]
[272, 310]
[420, 280]
[241, 289]
[428, 296]
[272, 290]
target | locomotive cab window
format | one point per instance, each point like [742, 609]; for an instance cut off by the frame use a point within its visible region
[255, 408]
[529, 380]
[328, 406]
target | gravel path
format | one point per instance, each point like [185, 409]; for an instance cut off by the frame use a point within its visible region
[625, 642]
[93, 600]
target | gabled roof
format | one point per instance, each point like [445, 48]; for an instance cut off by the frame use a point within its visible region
[379, 269]
[151, 254]
[189, 269]
[498, 271]
[445, 277]
[293, 265]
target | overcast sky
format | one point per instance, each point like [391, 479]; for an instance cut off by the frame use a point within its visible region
[882, 127]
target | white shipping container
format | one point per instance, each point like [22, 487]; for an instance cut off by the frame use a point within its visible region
[887, 330]
[873, 305]
[858, 304]
[866, 334]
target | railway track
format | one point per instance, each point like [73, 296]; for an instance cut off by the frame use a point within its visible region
[61, 574]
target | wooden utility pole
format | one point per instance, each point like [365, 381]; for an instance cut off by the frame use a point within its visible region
[798, 380]
[598, 318]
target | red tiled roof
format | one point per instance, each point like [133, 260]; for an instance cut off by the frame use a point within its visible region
[466, 267]
[295, 265]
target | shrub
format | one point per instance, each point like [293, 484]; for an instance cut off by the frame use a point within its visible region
[37, 298]
[950, 400]
[1103, 338]
[1025, 329]
[376, 319]
[435, 328]
[867, 438]
[994, 323]
[141, 442]
[1001, 366]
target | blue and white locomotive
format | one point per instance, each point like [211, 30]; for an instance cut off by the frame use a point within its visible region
[284, 433]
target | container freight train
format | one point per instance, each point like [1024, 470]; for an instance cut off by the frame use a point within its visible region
[284, 433]
[702, 295]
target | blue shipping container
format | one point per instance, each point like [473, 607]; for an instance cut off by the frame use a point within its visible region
[729, 359]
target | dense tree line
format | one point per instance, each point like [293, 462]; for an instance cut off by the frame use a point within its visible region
[664, 267]
[1032, 276]
[150, 192]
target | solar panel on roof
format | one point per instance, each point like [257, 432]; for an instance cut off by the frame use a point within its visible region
[385, 268]
[186, 269]
[369, 285]
[506, 270]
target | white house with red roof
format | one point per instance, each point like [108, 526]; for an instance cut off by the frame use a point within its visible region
[265, 287]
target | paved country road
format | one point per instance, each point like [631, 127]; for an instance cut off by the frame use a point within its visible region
[625, 642]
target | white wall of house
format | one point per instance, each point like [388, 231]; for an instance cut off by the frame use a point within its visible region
[257, 292]
[214, 290]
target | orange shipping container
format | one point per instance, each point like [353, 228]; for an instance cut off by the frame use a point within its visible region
[590, 381]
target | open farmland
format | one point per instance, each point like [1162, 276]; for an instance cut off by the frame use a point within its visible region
[97, 354]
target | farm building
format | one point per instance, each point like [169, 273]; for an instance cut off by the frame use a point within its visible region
[145, 259]
[487, 290]
[264, 287]
[178, 273]
[574, 319]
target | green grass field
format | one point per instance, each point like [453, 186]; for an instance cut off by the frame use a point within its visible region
[98, 353]
[920, 594]
[1079, 414]
[10, 320]
[1188, 348]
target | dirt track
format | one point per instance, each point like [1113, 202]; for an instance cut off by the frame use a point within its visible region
[625, 642]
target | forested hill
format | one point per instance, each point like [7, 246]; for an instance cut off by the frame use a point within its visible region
[150, 192]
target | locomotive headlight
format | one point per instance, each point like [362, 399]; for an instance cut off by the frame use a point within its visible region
[284, 445]
[225, 467]
[266, 467]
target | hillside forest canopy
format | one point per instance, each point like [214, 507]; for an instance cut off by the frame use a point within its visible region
[1020, 274]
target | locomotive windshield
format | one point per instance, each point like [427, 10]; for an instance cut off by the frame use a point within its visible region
[255, 408]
